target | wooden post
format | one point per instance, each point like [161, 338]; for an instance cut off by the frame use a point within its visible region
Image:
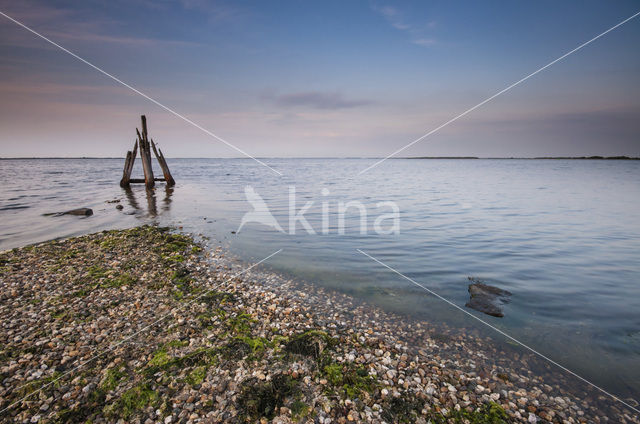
[142, 143]
[128, 165]
[126, 173]
[145, 154]
[141, 180]
[144, 127]
[133, 156]
[163, 164]
[171, 182]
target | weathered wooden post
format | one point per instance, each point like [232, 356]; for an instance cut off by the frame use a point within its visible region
[142, 142]
[145, 153]
[133, 156]
[163, 164]
[126, 175]
[128, 165]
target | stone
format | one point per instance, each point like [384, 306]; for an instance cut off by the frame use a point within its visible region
[79, 212]
[487, 299]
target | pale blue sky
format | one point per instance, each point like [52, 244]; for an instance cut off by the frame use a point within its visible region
[320, 78]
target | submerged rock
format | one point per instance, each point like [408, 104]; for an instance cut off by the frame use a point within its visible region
[487, 299]
[79, 211]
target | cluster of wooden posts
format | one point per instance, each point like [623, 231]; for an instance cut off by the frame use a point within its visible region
[145, 145]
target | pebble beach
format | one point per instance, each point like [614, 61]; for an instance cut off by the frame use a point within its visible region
[146, 325]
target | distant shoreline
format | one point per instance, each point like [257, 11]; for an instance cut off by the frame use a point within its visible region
[535, 158]
[373, 158]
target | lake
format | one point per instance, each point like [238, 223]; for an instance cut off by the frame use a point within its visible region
[563, 236]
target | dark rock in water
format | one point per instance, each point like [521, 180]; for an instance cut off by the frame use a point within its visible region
[119, 207]
[487, 299]
[481, 289]
[80, 212]
[486, 305]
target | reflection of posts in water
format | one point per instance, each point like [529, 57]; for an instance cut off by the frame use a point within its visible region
[168, 192]
[151, 202]
[131, 198]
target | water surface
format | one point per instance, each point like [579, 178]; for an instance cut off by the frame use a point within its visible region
[563, 236]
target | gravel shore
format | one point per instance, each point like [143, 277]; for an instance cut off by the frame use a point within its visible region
[144, 326]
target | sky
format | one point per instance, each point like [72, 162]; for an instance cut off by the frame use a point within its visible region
[320, 79]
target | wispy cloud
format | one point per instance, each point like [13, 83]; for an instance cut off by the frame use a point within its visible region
[608, 120]
[31, 87]
[67, 24]
[317, 100]
[393, 16]
[106, 38]
[216, 11]
[417, 32]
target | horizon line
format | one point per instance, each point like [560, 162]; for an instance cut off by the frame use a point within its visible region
[592, 157]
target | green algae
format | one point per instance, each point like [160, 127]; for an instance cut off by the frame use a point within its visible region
[264, 398]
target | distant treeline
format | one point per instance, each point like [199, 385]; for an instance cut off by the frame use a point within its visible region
[444, 157]
[541, 157]
[415, 157]
[592, 157]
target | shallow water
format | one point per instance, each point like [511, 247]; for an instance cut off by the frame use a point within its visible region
[562, 236]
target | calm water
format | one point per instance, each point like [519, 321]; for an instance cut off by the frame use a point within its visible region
[562, 236]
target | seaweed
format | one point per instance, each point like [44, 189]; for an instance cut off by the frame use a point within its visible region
[263, 399]
[310, 343]
[299, 410]
[112, 379]
[349, 380]
[403, 409]
[134, 399]
[197, 376]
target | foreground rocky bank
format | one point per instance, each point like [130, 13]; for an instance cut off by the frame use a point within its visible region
[143, 325]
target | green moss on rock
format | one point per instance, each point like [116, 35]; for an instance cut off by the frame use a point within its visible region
[197, 376]
[310, 343]
[263, 398]
[134, 399]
